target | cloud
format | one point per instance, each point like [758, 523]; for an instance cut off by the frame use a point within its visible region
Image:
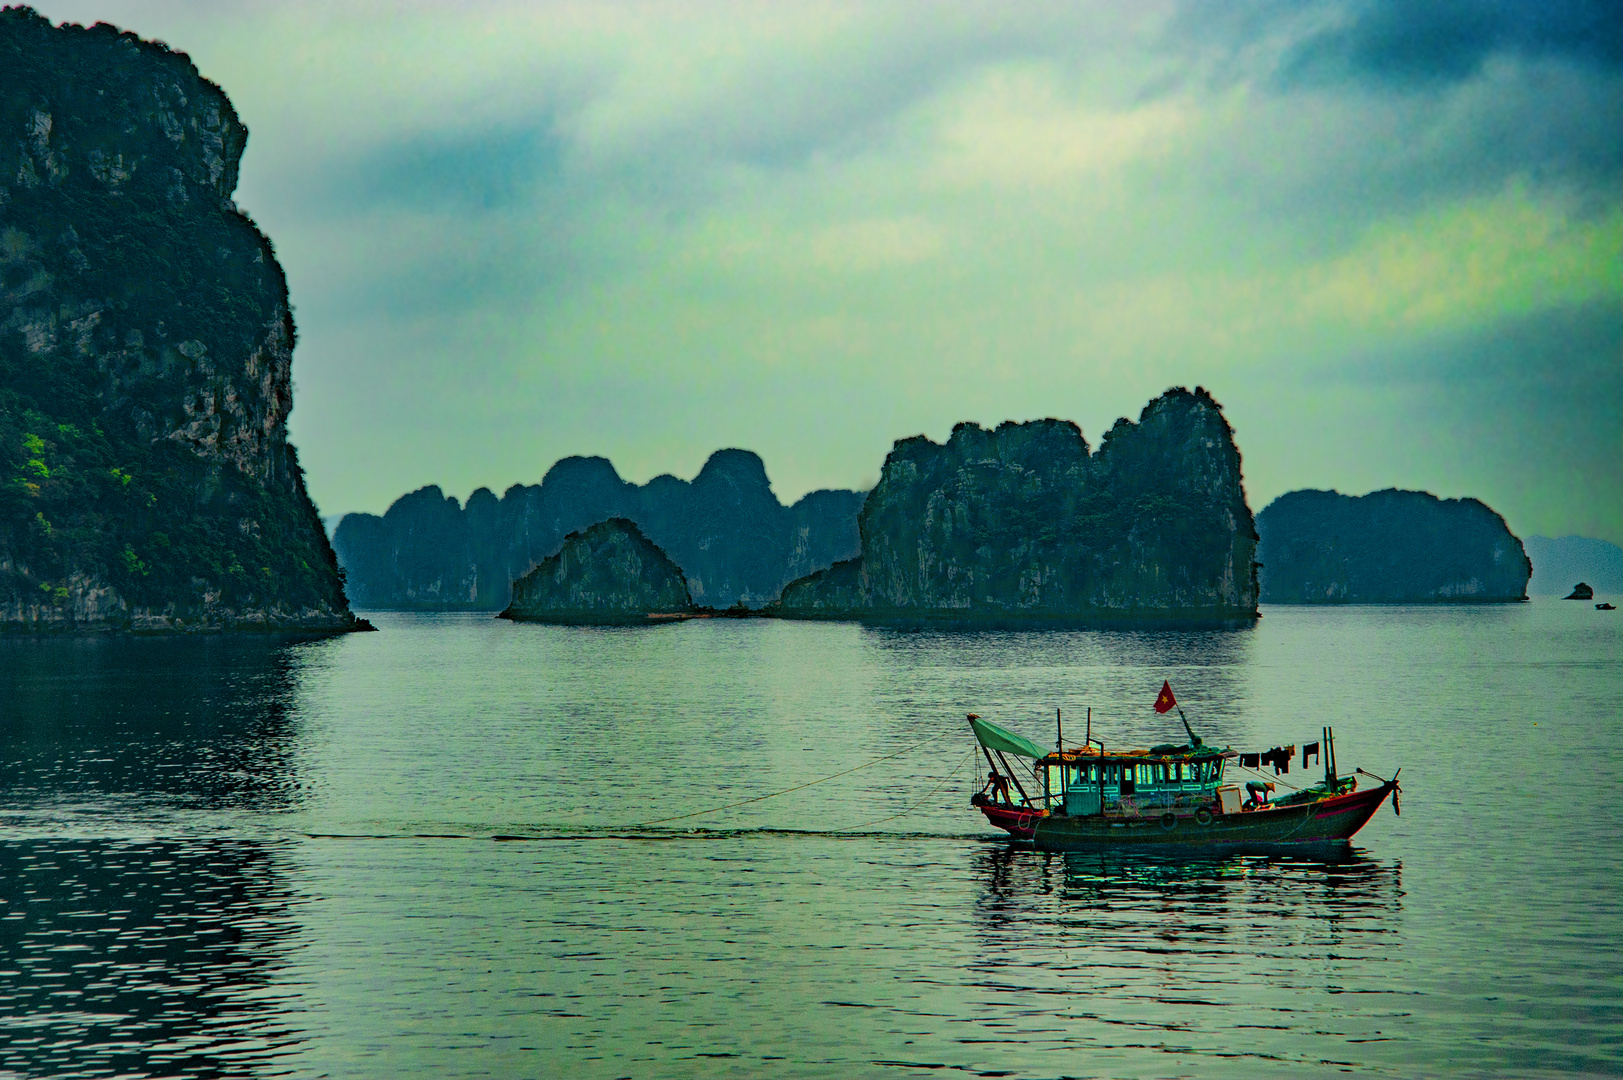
[515, 231]
[1525, 412]
[1443, 41]
[460, 170]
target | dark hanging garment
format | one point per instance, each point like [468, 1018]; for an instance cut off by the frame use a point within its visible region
[1311, 750]
[1250, 761]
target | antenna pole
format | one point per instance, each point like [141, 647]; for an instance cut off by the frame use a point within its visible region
[1192, 740]
[1059, 732]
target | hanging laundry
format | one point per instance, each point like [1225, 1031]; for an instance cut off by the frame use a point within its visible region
[1280, 758]
[1250, 761]
[1311, 750]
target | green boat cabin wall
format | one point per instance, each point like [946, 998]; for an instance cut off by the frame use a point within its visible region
[1150, 783]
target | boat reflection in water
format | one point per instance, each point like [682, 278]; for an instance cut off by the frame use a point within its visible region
[1285, 959]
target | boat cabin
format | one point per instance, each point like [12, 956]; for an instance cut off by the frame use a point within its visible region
[1091, 781]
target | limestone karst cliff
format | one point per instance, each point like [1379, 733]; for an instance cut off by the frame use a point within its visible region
[146, 344]
[1387, 547]
[609, 574]
[1023, 524]
[726, 529]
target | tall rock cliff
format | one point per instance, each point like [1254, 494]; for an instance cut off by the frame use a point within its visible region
[1387, 547]
[146, 344]
[727, 530]
[1024, 524]
[609, 574]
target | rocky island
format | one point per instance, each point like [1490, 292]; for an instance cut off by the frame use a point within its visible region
[608, 575]
[1387, 547]
[146, 344]
[734, 540]
[1559, 562]
[1023, 525]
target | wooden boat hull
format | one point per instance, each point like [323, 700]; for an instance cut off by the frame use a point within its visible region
[1018, 821]
[1326, 822]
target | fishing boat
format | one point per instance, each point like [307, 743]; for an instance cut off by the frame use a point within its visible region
[1167, 798]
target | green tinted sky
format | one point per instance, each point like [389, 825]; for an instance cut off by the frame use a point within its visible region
[1388, 238]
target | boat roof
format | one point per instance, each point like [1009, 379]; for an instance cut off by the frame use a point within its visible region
[1182, 753]
[1005, 741]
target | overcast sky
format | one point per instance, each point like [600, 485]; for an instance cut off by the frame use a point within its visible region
[1387, 237]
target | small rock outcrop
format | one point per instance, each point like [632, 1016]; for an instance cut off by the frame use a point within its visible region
[1558, 562]
[610, 574]
[146, 348]
[1581, 591]
[1387, 547]
[1023, 525]
[733, 538]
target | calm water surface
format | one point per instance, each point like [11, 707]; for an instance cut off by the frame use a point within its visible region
[439, 851]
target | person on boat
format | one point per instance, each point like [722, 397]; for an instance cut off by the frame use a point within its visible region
[998, 785]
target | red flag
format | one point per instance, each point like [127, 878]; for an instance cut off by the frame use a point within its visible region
[1164, 700]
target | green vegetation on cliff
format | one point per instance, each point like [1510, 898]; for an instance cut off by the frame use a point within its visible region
[1022, 523]
[610, 574]
[145, 354]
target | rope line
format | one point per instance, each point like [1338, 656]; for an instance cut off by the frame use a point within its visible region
[797, 787]
[921, 802]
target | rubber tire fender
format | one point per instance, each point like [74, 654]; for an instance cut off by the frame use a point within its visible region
[1169, 821]
[1203, 816]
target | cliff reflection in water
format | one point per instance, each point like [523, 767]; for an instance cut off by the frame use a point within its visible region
[142, 958]
[197, 723]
